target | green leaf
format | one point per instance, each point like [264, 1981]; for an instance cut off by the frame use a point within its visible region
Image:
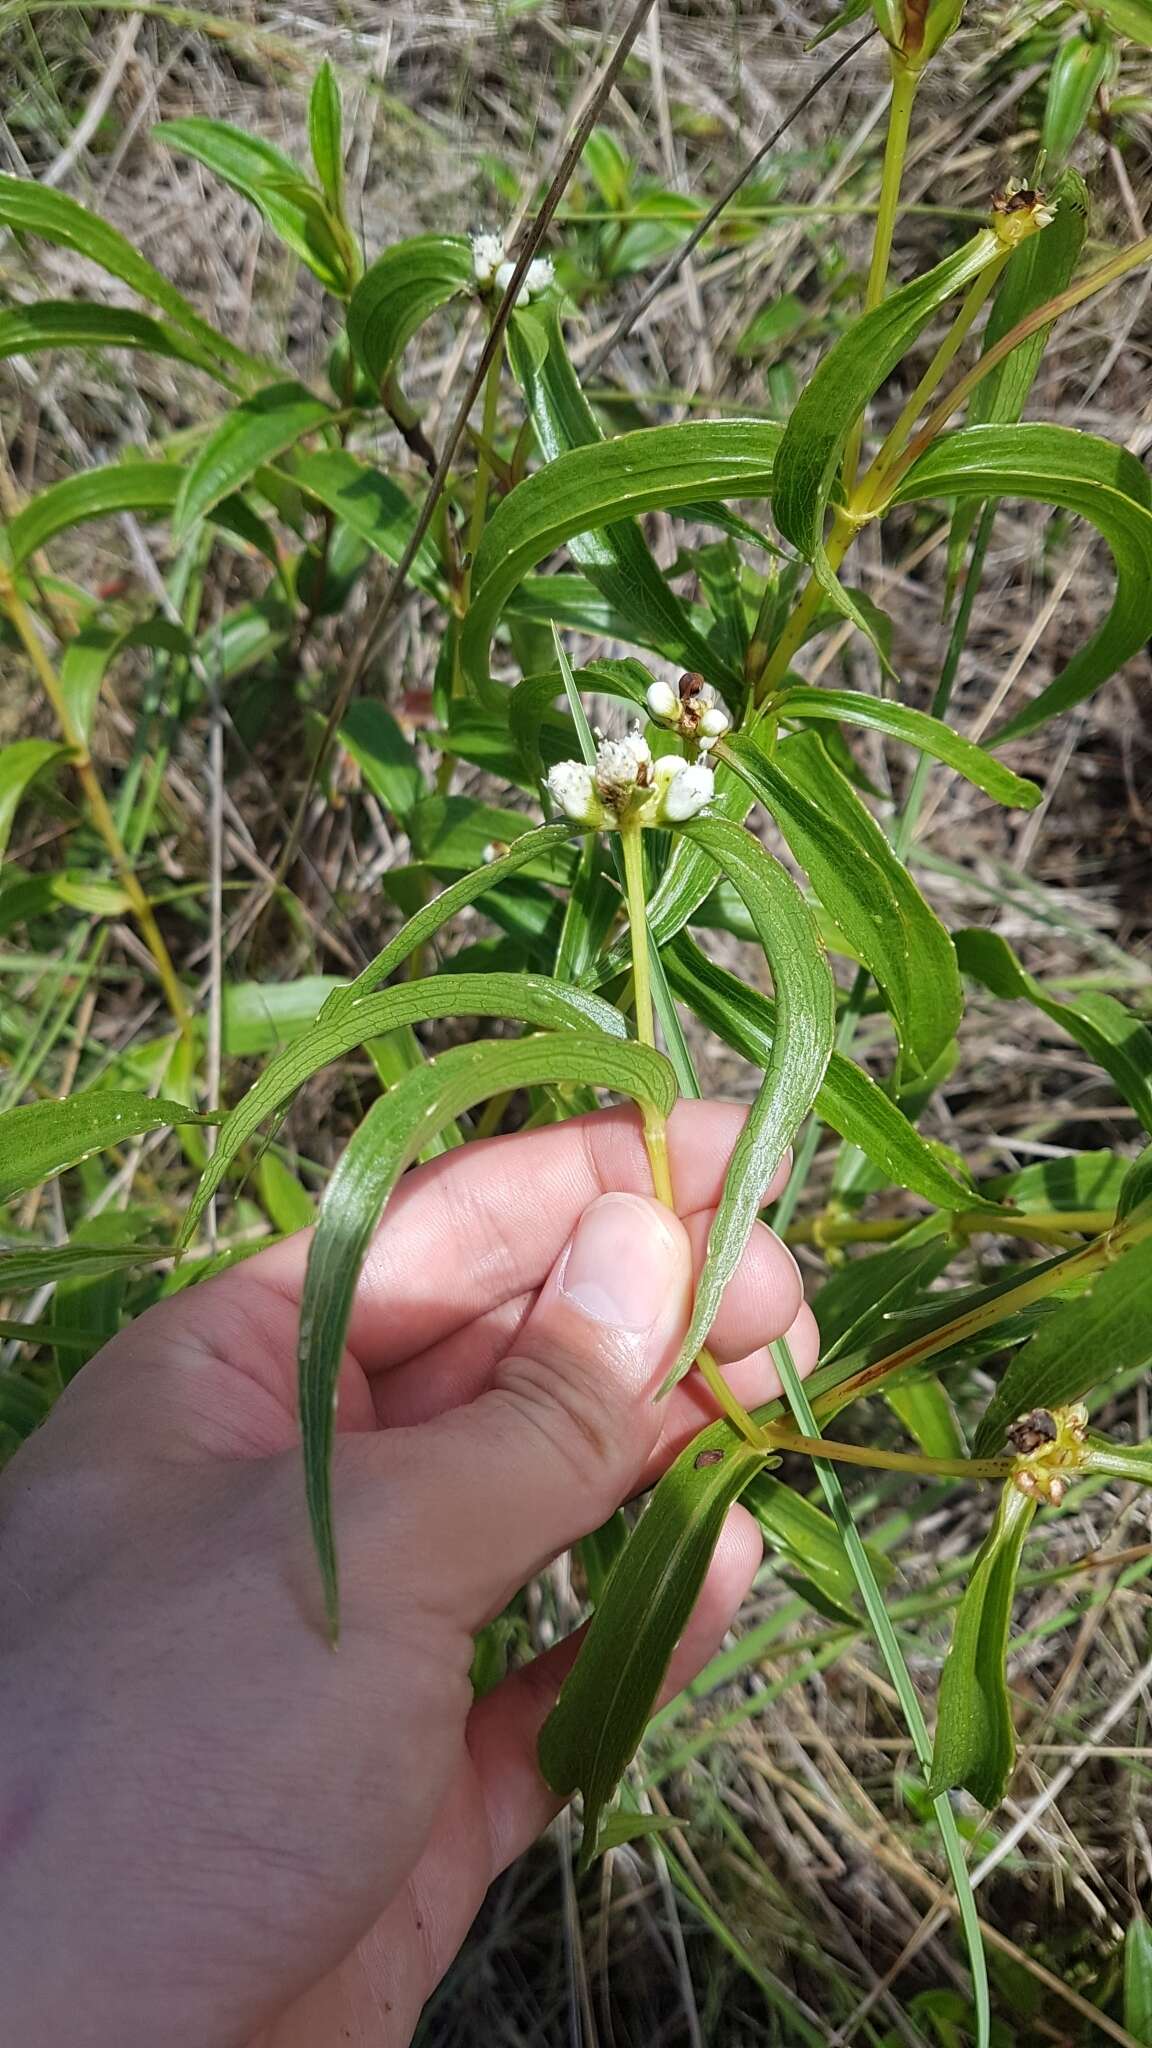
[1080, 67]
[38, 1140]
[928, 735]
[1085, 1343]
[975, 1741]
[326, 135]
[1037, 271]
[1138, 1940]
[1110, 1034]
[810, 1539]
[31, 209]
[373, 506]
[836, 395]
[530, 998]
[89, 655]
[261, 1016]
[598, 486]
[857, 1301]
[402, 289]
[849, 1099]
[388, 1140]
[1058, 466]
[1132, 18]
[597, 1724]
[20, 764]
[805, 1026]
[868, 893]
[386, 758]
[615, 558]
[288, 1204]
[1077, 1180]
[924, 1406]
[116, 487]
[530, 701]
[428, 920]
[1135, 1197]
[26, 1269]
[76, 323]
[292, 207]
[253, 433]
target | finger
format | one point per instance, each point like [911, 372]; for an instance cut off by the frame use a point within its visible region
[760, 1303]
[506, 1207]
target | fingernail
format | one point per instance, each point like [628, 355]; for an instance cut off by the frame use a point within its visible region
[625, 1266]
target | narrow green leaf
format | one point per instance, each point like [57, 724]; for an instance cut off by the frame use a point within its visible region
[429, 920]
[118, 487]
[1135, 1196]
[615, 558]
[1138, 1940]
[1132, 18]
[1112, 1035]
[1085, 1343]
[373, 506]
[865, 889]
[89, 655]
[805, 1026]
[530, 998]
[975, 1741]
[597, 1724]
[837, 393]
[38, 1140]
[1058, 466]
[928, 735]
[529, 702]
[1080, 67]
[1076, 1180]
[76, 323]
[924, 1406]
[20, 764]
[386, 758]
[27, 1268]
[387, 1141]
[293, 208]
[849, 1099]
[402, 289]
[326, 135]
[31, 209]
[592, 487]
[809, 1538]
[253, 433]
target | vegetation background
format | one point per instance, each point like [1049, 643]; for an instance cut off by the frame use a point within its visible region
[804, 1883]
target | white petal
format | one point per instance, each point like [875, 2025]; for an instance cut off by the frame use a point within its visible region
[662, 702]
[572, 789]
[688, 792]
[714, 722]
[539, 276]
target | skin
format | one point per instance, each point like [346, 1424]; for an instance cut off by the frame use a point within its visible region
[214, 1830]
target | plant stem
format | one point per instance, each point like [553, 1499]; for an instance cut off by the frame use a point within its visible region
[766, 669]
[782, 1439]
[904, 84]
[655, 1123]
[910, 815]
[1040, 1224]
[24, 626]
[483, 464]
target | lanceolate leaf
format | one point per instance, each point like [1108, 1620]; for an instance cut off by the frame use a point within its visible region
[20, 764]
[868, 892]
[1080, 67]
[1058, 466]
[837, 394]
[615, 558]
[929, 735]
[253, 433]
[1132, 18]
[386, 758]
[1138, 1940]
[530, 998]
[372, 505]
[597, 486]
[30, 1267]
[1082, 1344]
[388, 1140]
[805, 1025]
[402, 289]
[428, 921]
[117, 487]
[849, 1099]
[326, 135]
[1112, 1035]
[810, 1539]
[596, 1726]
[293, 208]
[76, 323]
[32, 209]
[38, 1140]
[975, 1743]
[87, 658]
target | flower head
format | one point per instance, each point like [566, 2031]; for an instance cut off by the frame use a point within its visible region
[625, 785]
[1018, 211]
[487, 255]
[690, 709]
[493, 268]
[573, 790]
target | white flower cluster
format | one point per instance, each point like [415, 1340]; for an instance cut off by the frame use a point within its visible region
[625, 783]
[493, 269]
[691, 710]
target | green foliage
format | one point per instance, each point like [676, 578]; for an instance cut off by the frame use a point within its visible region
[975, 1743]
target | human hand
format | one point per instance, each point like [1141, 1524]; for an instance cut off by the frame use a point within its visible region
[213, 1829]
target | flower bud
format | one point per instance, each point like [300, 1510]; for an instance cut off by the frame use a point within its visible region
[572, 788]
[663, 704]
[714, 723]
[915, 29]
[1018, 212]
[683, 789]
[487, 255]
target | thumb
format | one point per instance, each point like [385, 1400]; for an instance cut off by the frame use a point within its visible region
[560, 1438]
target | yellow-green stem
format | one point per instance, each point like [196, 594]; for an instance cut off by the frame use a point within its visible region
[768, 674]
[24, 626]
[483, 465]
[904, 84]
[1039, 1223]
[783, 1439]
[655, 1123]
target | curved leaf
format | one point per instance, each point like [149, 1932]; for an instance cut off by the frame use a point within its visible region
[373, 506]
[253, 433]
[849, 1099]
[975, 1741]
[292, 207]
[77, 323]
[928, 735]
[1080, 67]
[402, 289]
[88, 656]
[20, 764]
[867, 892]
[1058, 466]
[597, 486]
[31, 209]
[529, 998]
[597, 1724]
[119, 487]
[38, 1140]
[805, 1026]
[388, 1140]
